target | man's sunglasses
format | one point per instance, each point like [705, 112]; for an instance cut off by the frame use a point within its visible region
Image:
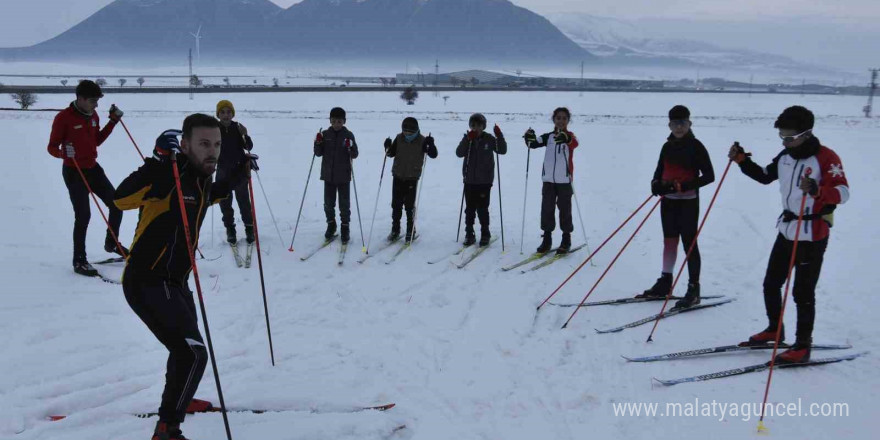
[788, 139]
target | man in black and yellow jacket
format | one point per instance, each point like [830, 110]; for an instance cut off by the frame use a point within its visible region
[157, 271]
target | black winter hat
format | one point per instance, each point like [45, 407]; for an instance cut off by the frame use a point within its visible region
[337, 113]
[795, 118]
[477, 118]
[89, 89]
[679, 112]
[410, 124]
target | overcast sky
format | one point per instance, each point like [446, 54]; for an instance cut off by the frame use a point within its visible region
[831, 32]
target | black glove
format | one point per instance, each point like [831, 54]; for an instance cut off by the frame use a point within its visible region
[562, 137]
[662, 187]
[530, 137]
[167, 143]
[115, 113]
[737, 153]
[251, 159]
[428, 144]
[387, 144]
[809, 186]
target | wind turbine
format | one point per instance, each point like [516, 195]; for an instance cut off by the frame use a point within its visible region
[198, 37]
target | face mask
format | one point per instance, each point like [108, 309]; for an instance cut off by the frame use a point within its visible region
[411, 137]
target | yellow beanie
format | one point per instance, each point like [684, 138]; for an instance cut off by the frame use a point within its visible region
[225, 103]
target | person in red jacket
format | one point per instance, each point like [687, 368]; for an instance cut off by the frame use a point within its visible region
[76, 136]
[808, 171]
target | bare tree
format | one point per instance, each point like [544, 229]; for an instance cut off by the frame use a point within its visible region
[445, 98]
[101, 82]
[384, 81]
[274, 82]
[348, 82]
[409, 95]
[226, 80]
[474, 81]
[393, 82]
[122, 82]
[141, 81]
[194, 81]
[64, 82]
[24, 99]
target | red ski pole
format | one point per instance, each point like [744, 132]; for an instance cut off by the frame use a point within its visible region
[195, 268]
[797, 235]
[132, 138]
[260, 264]
[610, 265]
[98, 205]
[596, 251]
[688, 254]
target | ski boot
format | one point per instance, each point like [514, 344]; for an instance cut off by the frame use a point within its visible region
[167, 431]
[798, 353]
[409, 232]
[230, 235]
[82, 267]
[469, 237]
[249, 234]
[111, 248]
[660, 288]
[331, 230]
[546, 243]
[691, 298]
[565, 245]
[395, 233]
[485, 237]
[345, 233]
[766, 337]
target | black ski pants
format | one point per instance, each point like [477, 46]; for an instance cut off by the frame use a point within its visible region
[808, 265]
[80, 199]
[403, 195]
[242, 196]
[169, 312]
[476, 204]
[679, 218]
[555, 195]
[330, 192]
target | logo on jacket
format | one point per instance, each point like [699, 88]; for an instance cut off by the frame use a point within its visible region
[94, 124]
[190, 200]
[836, 170]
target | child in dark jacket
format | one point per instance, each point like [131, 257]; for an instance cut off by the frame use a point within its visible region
[408, 150]
[478, 149]
[337, 148]
[682, 169]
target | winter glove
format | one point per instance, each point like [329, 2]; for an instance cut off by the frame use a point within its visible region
[250, 163]
[69, 151]
[387, 144]
[809, 186]
[530, 137]
[562, 137]
[115, 113]
[497, 131]
[471, 135]
[319, 138]
[737, 153]
[347, 145]
[428, 144]
[662, 187]
[167, 143]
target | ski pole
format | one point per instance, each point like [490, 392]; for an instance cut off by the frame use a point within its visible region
[419, 196]
[357, 205]
[132, 138]
[260, 264]
[791, 262]
[460, 212]
[578, 205]
[522, 234]
[301, 203]
[596, 251]
[610, 265]
[195, 268]
[500, 205]
[688, 254]
[467, 162]
[376, 205]
[95, 199]
[260, 181]
[212, 227]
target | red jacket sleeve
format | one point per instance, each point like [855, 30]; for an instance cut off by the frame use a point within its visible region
[105, 132]
[833, 189]
[574, 141]
[56, 137]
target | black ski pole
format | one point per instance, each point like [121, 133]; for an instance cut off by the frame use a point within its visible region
[467, 162]
[357, 205]
[376, 206]
[302, 202]
[500, 205]
[195, 268]
[260, 264]
[522, 233]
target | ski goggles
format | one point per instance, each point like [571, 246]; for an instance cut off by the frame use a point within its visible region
[788, 139]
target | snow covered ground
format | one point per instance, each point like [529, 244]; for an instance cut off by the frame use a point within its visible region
[463, 353]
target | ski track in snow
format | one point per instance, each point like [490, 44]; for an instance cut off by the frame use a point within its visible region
[463, 353]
